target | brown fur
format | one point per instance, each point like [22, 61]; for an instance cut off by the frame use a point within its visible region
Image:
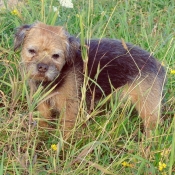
[147, 99]
[67, 99]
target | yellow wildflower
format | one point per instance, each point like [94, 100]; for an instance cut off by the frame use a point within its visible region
[15, 12]
[161, 166]
[172, 71]
[126, 164]
[54, 147]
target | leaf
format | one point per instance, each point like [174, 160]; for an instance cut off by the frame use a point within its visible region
[99, 167]
[90, 147]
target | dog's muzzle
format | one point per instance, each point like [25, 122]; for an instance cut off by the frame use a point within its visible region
[42, 68]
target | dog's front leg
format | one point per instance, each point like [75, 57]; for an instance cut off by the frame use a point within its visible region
[69, 115]
[44, 110]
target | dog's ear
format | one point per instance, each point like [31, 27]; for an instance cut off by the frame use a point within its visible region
[20, 35]
[73, 47]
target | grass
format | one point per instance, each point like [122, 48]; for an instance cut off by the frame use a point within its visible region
[112, 142]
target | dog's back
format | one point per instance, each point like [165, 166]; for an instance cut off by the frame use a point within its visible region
[110, 63]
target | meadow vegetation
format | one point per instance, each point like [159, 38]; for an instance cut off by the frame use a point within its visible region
[111, 142]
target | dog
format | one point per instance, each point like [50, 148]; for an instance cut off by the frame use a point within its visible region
[53, 59]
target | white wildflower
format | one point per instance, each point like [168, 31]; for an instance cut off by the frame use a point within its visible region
[66, 3]
[55, 9]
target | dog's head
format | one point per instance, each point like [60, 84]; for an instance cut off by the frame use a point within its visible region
[45, 50]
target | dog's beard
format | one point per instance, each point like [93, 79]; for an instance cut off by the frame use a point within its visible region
[35, 75]
[52, 73]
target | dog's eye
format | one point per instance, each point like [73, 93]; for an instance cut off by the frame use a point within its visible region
[32, 51]
[55, 56]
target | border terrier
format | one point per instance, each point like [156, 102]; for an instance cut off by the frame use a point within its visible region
[53, 58]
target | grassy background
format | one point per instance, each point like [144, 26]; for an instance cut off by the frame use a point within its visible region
[111, 143]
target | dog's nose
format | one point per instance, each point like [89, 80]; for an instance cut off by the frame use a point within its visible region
[42, 67]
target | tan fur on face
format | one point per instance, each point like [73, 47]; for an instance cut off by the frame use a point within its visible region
[45, 48]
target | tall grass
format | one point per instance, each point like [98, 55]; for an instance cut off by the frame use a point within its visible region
[108, 140]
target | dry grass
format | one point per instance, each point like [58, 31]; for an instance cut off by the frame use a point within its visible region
[103, 143]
